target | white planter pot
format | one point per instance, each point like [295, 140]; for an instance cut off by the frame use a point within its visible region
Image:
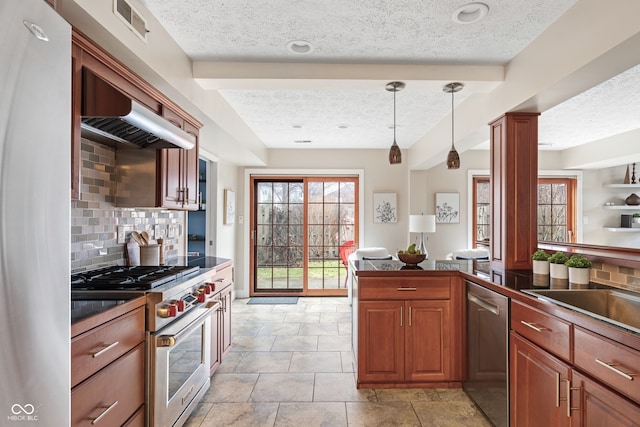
[541, 267]
[558, 271]
[579, 276]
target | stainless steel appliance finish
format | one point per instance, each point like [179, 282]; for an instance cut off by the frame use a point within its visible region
[35, 138]
[178, 364]
[178, 325]
[487, 381]
[112, 118]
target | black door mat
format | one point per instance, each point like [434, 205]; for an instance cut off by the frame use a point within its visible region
[273, 300]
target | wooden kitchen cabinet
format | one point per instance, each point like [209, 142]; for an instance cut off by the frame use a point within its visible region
[537, 386]
[108, 367]
[179, 170]
[175, 170]
[407, 333]
[221, 320]
[593, 405]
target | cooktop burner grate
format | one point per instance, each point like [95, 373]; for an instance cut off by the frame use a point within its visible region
[134, 278]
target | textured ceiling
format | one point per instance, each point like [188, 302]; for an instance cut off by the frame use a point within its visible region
[379, 32]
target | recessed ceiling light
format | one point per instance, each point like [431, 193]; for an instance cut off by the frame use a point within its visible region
[343, 126]
[470, 13]
[300, 47]
[296, 126]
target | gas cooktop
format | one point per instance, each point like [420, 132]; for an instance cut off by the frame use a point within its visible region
[129, 278]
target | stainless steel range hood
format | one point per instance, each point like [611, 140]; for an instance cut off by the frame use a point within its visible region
[112, 118]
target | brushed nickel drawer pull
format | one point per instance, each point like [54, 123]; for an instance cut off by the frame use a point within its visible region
[407, 289]
[557, 389]
[533, 326]
[401, 316]
[409, 315]
[105, 412]
[105, 349]
[612, 366]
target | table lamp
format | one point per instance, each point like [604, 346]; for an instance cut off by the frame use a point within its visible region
[422, 224]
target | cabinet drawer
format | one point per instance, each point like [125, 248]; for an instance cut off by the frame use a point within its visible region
[119, 386]
[222, 279]
[398, 288]
[610, 362]
[545, 330]
[98, 347]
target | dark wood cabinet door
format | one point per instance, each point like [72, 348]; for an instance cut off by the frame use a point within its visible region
[216, 351]
[170, 183]
[381, 341]
[191, 172]
[537, 386]
[427, 341]
[596, 406]
[225, 328]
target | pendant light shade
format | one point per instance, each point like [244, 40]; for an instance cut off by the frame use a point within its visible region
[453, 158]
[395, 156]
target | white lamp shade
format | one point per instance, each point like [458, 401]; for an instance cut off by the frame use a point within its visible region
[422, 223]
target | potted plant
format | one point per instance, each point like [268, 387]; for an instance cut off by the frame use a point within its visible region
[636, 218]
[579, 269]
[557, 267]
[540, 262]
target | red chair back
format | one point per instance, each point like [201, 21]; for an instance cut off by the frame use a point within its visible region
[346, 249]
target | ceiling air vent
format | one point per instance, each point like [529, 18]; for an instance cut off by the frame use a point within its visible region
[302, 141]
[131, 18]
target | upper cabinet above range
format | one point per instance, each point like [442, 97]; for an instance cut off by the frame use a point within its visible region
[142, 117]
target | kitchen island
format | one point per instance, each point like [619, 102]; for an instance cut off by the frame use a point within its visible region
[564, 365]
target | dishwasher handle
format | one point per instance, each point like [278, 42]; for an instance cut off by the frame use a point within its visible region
[492, 308]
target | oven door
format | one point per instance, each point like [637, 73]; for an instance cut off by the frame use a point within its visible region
[178, 368]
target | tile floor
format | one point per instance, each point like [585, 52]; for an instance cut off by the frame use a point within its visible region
[291, 365]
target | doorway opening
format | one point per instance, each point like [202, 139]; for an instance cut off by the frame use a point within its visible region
[298, 226]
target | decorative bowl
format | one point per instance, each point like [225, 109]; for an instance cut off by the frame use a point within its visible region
[411, 259]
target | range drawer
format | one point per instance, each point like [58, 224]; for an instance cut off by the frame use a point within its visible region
[543, 329]
[100, 346]
[608, 361]
[403, 288]
[114, 394]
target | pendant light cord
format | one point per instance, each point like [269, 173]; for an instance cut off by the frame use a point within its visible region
[452, 117]
[395, 89]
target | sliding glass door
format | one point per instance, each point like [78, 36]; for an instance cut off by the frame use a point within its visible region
[298, 227]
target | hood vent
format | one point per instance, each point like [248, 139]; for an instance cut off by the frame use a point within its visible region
[110, 117]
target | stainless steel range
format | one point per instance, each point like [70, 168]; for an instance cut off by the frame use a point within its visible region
[179, 304]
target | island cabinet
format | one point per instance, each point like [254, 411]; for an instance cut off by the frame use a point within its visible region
[107, 367]
[408, 331]
[562, 374]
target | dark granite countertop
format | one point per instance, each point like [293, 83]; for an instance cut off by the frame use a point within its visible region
[199, 261]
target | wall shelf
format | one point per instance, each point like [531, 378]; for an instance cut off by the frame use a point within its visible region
[623, 229]
[622, 207]
[621, 185]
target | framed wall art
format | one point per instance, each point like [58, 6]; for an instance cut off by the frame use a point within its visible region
[447, 208]
[229, 206]
[385, 207]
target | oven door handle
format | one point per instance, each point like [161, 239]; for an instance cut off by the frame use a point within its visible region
[170, 340]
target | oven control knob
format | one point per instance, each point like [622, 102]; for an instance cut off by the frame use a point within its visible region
[170, 310]
[202, 297]
[180, 305]
[212, 286]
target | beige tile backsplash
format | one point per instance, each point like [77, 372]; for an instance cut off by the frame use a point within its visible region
[95, 218]
[616, 276]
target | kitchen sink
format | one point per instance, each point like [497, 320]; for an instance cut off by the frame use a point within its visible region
[615, 306]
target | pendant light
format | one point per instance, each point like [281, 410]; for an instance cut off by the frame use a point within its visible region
[395, 156]
[453, 159]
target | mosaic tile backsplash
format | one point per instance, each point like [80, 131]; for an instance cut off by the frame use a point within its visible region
[100, 230]
[616, 276]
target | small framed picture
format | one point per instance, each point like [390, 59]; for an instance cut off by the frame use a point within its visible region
[229, 206]
[447, 208]
[385, 208]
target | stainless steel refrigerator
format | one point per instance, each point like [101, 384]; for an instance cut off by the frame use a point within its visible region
[35, 138]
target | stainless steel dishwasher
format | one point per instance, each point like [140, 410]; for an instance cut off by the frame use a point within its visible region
[487, 381]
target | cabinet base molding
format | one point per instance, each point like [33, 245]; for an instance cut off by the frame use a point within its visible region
[444, 384]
